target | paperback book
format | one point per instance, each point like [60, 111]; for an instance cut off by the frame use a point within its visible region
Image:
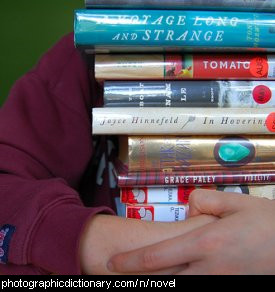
[212, 93]
[180, 194]
[184, 66]
[182, 121]
[245, 5]
[107, 30]
[157, 212]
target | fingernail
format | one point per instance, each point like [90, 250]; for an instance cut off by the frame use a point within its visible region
[110, 266]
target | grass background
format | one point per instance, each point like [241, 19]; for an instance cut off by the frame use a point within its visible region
[28, 28]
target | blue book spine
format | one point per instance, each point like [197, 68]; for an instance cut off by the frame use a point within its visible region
[237, 5]
[180, 29]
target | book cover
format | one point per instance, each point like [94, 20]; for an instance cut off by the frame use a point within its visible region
[191, 178]
[104, 30]
[212, 93]
[157, 212]
[184, 66]
[180, 194]
[182, 121]
[197, 152]
[262, 5]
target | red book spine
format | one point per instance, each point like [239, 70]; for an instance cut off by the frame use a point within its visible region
[220, 66]
[178, 178]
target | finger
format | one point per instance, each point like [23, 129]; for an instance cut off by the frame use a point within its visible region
[216, 203]
[172, 252]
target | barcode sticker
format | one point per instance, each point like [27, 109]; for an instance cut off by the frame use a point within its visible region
[271, 65]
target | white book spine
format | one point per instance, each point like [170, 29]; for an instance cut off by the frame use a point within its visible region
[180, 195]
[157, 212]
[183, 121]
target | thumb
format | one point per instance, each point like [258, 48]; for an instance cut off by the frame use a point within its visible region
[217, 203]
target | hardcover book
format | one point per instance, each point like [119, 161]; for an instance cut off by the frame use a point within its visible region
[191, 178]
[238, 94]
[180, 194]
[262, 5]
[182, 121]
[184, 66]
[197, 152]
[106, 30]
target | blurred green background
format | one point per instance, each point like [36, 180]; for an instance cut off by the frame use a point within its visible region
[28, 28]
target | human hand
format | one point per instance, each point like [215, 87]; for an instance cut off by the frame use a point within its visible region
[105, 236]
[241, 242]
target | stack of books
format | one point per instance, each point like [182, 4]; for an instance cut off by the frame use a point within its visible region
[189, 87]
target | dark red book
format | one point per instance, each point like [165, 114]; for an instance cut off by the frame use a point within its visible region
[178, 178]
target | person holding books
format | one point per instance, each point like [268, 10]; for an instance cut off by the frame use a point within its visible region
[46, 146]
[47, 153]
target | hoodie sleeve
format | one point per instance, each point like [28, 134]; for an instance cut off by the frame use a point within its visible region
[45, 146]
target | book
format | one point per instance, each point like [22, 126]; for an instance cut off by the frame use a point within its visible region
[184, 66]
[182, 121]
[262, 5]
[211, 93]
[180, 194]
[107, 30]
[157, 212]
[191, 178]
[197, 152]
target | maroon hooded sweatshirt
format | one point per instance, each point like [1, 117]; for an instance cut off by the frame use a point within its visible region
[46, 145]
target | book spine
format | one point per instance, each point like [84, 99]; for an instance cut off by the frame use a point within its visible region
[152, 195]
[138, 29]
[194, 152]
[187, 66]
[262, 5]
[267, 191]
[182, 121]
[239, 94]
[159, 213]
[191, 178]
[180, 194]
